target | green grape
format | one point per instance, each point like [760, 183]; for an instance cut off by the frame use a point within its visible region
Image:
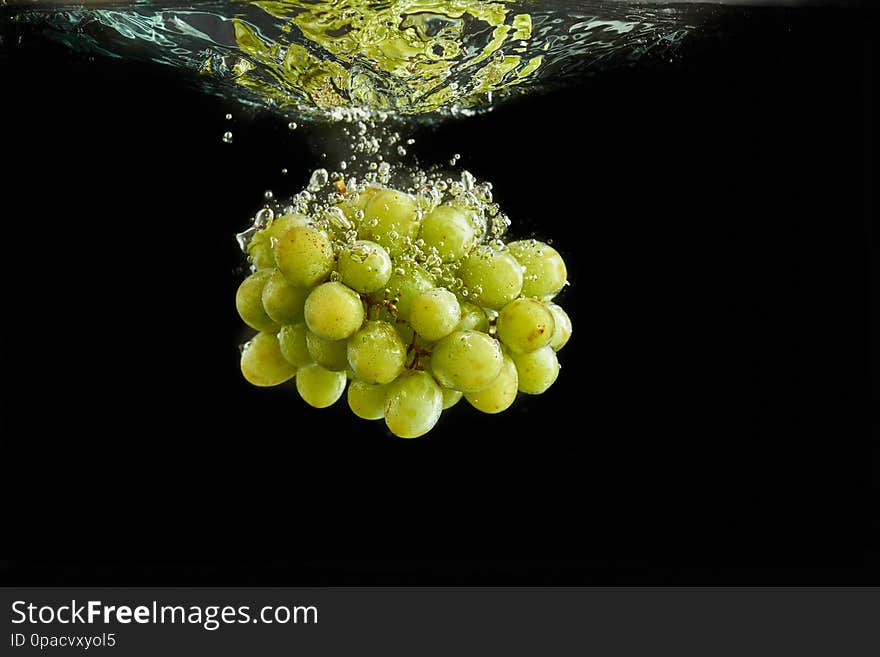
[537, 370]
[249, 302]
[466, 361]
[357, 201]
[376, 353]
[562, 330]
[500, 394]
[364, 266]
[304, 255]
[405, 331]
[407, 281]
[320, 387]
[334, 311]
[260, 247]
[525, 325]
[450, 397]
[262, 363]
[545, 273]
[450, 231]
[329, 354]
[367, 400]
[435, 314]
[292, 339]
[493, 277]
[390, 217]
[413, 404]
[473, 318]
[283, 302]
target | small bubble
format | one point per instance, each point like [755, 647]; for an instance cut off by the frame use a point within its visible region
[318, 180]
[268, 195]
[401, 151]
[292, 125]
[263, 217]
[283, 172]
[227, 137]
[229, 117]
[343, 165]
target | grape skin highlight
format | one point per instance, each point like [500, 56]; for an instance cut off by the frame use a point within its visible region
[413, 405]
[376, 353]
[493, 277]
[466, 361]
[434, 314]
[334, 311]
[525, 325]
[249, 302]
[303, 255]
[262, 363]
[320, 387]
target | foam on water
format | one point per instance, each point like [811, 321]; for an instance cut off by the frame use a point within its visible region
[353, 59]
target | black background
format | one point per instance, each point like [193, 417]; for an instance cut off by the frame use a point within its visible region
[712, 421]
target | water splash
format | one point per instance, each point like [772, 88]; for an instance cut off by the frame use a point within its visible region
[351, 59]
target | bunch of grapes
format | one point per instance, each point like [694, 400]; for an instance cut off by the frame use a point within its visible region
[410, 300]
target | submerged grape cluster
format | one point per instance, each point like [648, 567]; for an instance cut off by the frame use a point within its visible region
[409, 297]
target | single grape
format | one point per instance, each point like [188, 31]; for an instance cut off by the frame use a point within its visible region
[413, 404]
[450, 397]
[334, 311]
[525, 324]
[292, 339]
[390, 217]
[500, 394]
[376, 353]
[407, 281]
[262, 363]
[545, 273]
[249, 302]
[320, 387]
[493, 277]
[450, 231]
[434, 314]
[562, 330]
[466, 361]
[329, 354]
[537, 370]
[367, 400]
[284, 303]
[304, 255]
[473, 318]
[260, 247]
[364, 266]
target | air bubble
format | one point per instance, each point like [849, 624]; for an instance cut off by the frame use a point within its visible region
[263, 217]
[318, 180]
[227, 137]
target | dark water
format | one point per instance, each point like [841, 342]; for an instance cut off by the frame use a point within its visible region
[712, 422]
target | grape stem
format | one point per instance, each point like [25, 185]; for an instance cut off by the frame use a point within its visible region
[418, 351]
[373, 308]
